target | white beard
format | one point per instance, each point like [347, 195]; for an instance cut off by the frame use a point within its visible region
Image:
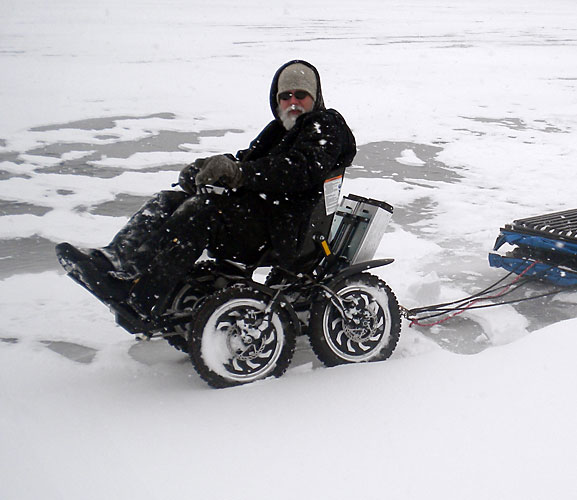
[288, 120]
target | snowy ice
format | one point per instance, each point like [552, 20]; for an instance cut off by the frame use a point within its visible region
[465, 115]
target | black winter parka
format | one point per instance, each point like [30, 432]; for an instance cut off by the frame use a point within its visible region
[284, 171]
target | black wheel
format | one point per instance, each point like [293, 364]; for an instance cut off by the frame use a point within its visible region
[235, 339]
[362, 323]
[186, 297]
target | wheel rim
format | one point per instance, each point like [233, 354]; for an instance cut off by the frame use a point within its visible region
[242, 342]
[365, 327]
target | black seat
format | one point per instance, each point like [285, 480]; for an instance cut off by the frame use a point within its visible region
[319, 229]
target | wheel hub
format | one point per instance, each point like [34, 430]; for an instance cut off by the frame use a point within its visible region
[247, 336]
[359, 320]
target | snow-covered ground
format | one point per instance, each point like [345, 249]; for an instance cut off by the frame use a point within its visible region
[465, 115]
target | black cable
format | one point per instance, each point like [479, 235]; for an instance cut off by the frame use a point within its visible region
[473, 297]
[490, 288]
[465, 304]
[442, 312]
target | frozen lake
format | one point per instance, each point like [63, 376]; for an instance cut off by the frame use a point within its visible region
[407, 164]
[465, 115]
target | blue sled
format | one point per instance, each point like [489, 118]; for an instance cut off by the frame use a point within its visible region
[549, 259]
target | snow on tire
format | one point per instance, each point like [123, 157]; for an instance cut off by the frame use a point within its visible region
[235, 340]
[362, 323]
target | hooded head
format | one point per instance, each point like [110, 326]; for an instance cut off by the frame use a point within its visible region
[296, 75]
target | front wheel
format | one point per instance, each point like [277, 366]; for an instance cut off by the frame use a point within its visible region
[236, 339]
[360, 322]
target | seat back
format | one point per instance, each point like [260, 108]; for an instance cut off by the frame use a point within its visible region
[320, 223]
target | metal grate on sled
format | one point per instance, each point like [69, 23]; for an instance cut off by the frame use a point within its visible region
[558, 225]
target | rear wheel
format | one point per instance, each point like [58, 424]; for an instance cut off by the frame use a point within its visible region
[360, 323]
[235, 339]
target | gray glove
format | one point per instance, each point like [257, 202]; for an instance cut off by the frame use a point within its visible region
[188, 174]
[219, 169]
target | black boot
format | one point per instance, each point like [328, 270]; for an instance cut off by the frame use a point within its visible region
[103, 257]
[91, 269]
[110, 254]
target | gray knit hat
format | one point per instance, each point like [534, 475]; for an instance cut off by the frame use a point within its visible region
[297, 77]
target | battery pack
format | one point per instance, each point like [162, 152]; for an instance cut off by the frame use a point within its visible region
[358, 226]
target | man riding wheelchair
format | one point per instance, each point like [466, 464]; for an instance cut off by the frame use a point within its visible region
[273, 212]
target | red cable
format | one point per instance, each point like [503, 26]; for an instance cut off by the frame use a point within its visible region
[502, 292]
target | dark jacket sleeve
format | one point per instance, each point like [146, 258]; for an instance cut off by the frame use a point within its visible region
[304, 157]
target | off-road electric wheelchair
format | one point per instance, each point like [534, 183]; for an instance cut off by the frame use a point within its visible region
[238, 327]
